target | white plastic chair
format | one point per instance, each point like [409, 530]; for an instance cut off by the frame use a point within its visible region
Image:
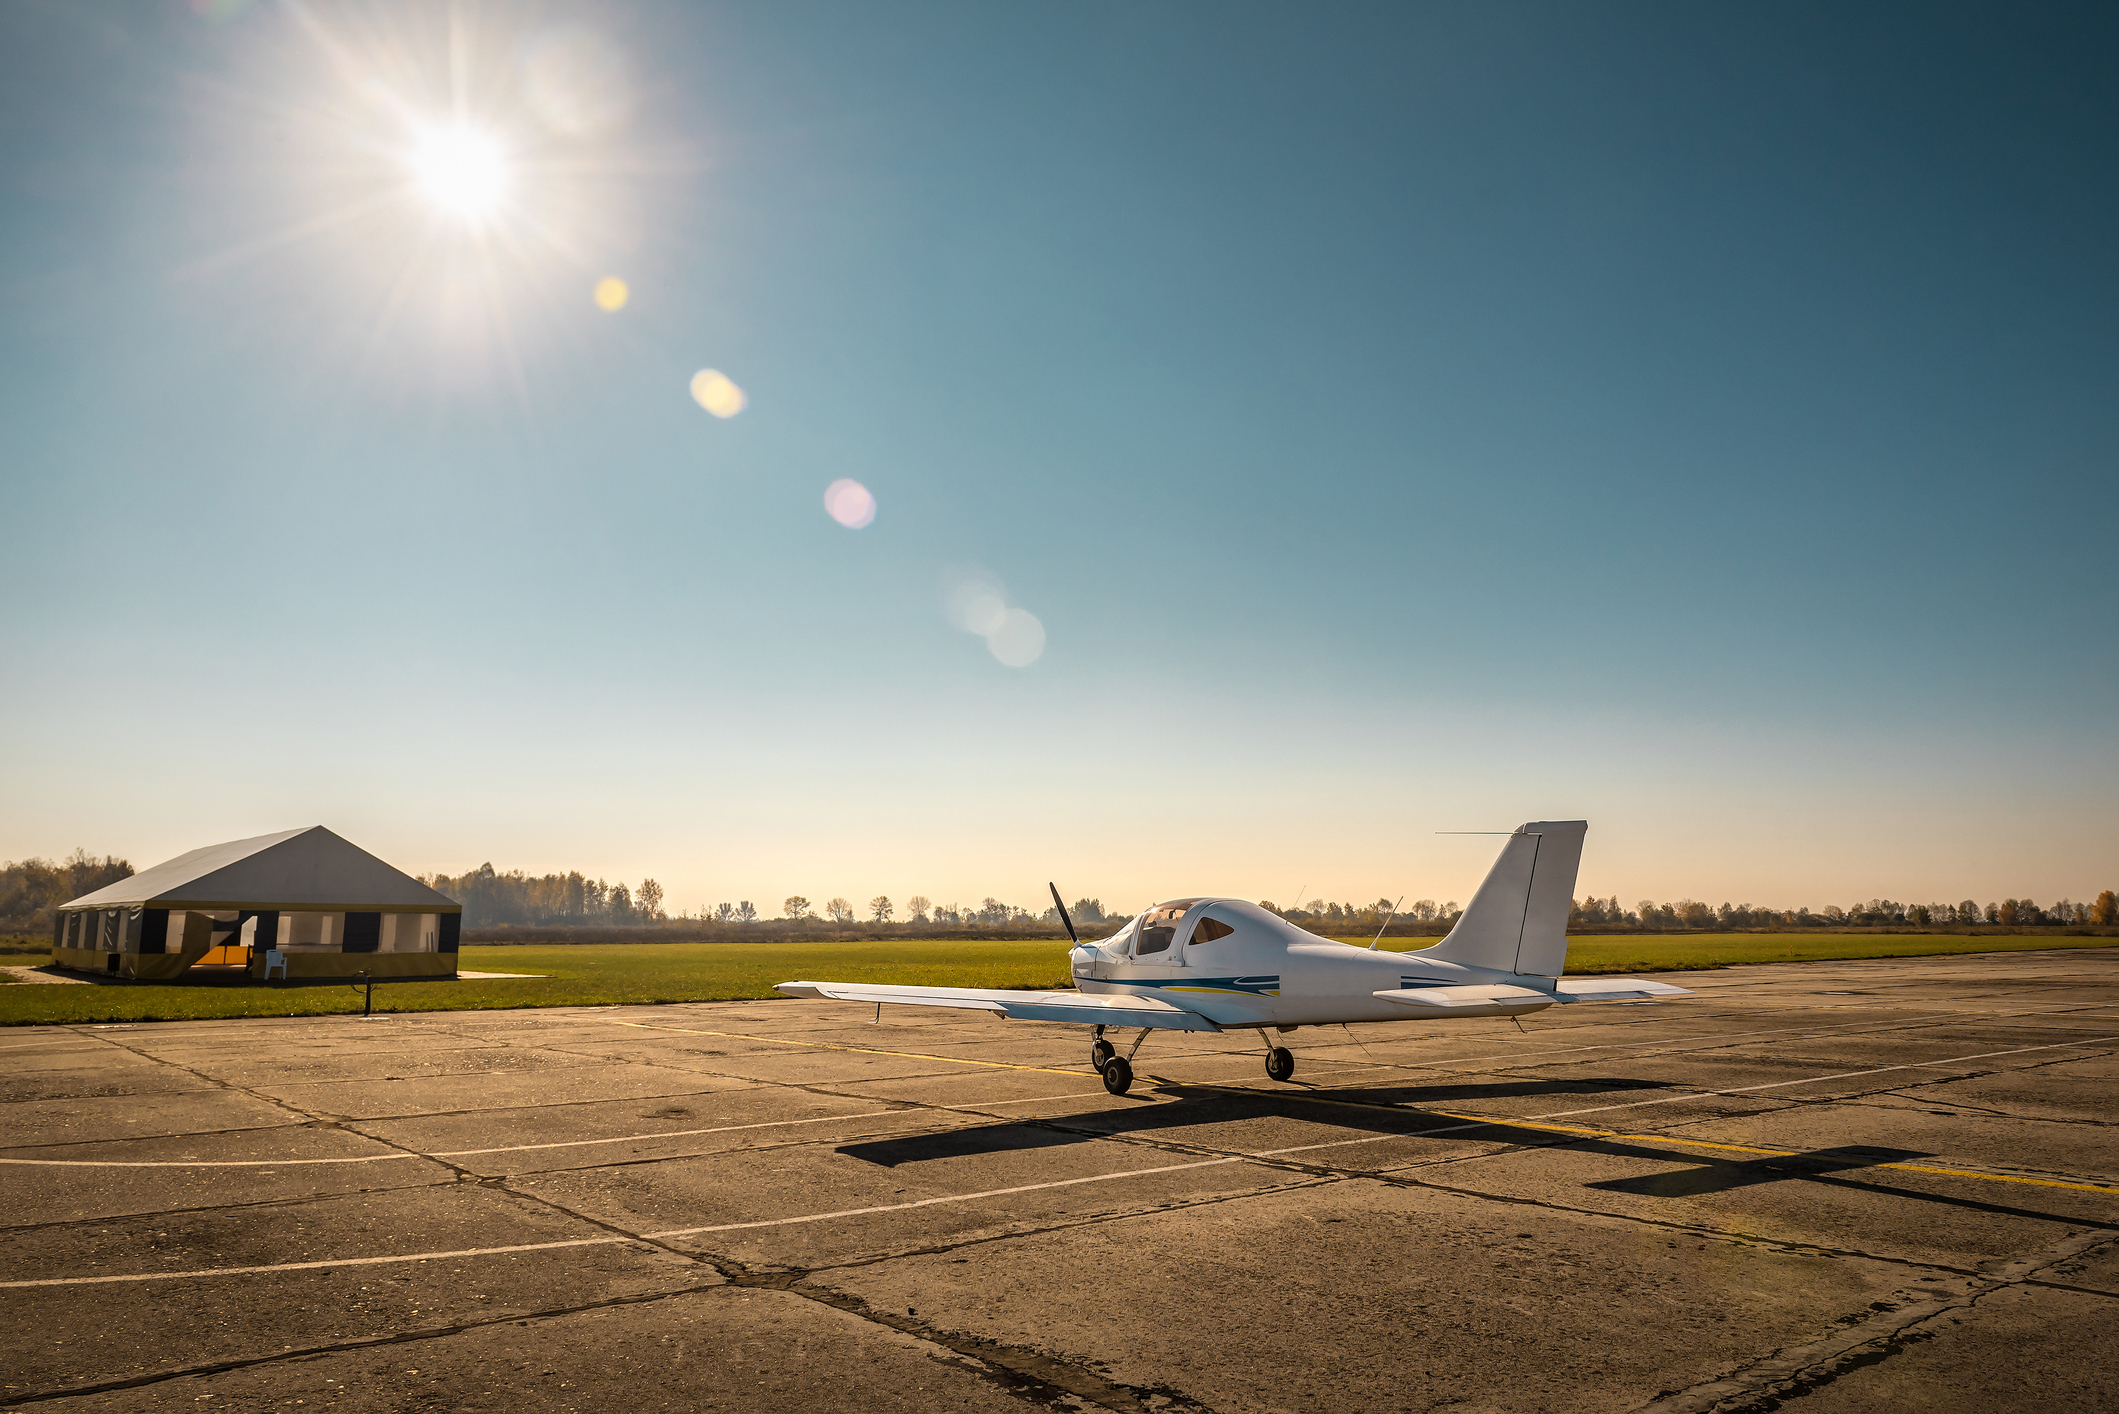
[275, 958]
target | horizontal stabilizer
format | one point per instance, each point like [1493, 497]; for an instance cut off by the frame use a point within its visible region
[1079, 1008]
[1466, 998]
[1615, 989]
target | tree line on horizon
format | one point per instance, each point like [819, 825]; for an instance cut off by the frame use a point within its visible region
[30, 889]
[1692, 915]
[490, 898]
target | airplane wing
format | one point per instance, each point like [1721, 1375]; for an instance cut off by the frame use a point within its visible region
[1081, 1008]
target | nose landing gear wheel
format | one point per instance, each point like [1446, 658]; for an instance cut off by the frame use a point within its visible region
[1280, 1062]
[1100, 1055]
[1118, 1074]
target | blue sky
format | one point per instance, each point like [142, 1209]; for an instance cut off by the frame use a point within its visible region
[1400, 419]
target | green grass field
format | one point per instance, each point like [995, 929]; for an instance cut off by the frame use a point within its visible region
[619, 974]
[605, 975]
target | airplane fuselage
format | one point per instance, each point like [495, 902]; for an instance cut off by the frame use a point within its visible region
[1259, 970]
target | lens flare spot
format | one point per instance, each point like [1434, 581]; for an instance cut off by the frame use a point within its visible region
[611, 294]
[1018, 640]
[713, 390]
[850, 503]
[462, 171]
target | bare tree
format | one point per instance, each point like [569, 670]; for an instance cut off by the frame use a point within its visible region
[839, 910]
[724, 912]
[879, 908]
[919, 904]
[649, 900]
[745, 913]
[796, 907]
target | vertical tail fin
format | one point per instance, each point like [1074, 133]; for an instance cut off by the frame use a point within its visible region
[1517, 922]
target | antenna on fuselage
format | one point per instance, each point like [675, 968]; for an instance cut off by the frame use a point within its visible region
[1297, 907]
[1073, 936]
[1387, 922]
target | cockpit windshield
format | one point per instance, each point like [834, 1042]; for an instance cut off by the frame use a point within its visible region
[1158, 926]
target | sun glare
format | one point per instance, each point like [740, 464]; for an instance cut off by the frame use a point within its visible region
[461, 171]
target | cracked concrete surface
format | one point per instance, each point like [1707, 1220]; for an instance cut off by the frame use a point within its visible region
[1864, 1185]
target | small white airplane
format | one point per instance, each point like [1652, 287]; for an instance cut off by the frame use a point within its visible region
[1219, 964]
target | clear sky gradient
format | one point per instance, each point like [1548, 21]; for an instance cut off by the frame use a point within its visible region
[1399, 418]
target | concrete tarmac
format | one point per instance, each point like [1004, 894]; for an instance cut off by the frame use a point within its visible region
[1887, 1184]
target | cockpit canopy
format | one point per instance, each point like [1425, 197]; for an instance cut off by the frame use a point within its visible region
[1163, 925]
[1158, 926]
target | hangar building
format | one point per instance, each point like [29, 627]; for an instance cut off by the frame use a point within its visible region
[326, 907]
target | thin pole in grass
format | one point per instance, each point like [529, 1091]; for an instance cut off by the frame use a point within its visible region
[368, 1004]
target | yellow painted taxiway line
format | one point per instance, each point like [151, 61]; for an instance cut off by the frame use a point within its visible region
[1681, 1141]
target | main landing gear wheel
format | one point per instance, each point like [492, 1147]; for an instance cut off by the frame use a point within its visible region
[1118, 1074]
[1100, 1054]
[1280, 1062]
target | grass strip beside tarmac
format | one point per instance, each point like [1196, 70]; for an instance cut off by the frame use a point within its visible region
[620, 974]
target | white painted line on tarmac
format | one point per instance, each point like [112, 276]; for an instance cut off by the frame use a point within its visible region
[615, 1241]
[953, 1198]
[670, 1134]
[318, 1266]
[516, 1148]
[441, 1154]
[202, 1163]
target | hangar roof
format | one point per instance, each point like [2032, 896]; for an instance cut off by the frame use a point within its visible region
[308, 869]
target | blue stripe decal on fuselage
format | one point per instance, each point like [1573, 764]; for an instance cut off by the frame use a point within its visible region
[1245, 986]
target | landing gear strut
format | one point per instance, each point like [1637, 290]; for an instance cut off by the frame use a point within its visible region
[1280, 1062]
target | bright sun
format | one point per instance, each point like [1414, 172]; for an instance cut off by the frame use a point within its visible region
[462, 171]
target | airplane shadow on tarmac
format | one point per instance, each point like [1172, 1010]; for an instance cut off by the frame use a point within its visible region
[1378, 1111]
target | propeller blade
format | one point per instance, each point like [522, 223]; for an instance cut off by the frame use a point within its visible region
[1073, 936]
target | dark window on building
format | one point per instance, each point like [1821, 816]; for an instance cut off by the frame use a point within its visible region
[364, 932]
[452, 931]
[154, 930]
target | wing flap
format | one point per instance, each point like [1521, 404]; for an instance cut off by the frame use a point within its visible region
[1079, 1008]
[1464, 998]
[1615, 989]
